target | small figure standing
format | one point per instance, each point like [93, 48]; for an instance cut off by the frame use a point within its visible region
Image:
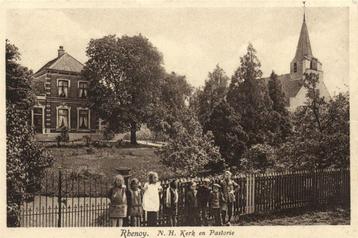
[192, 205]
[118, 198]
[204, 198]
[135, 202]
[171, 202]
[229, 190]
[151, 198]
[216, 200]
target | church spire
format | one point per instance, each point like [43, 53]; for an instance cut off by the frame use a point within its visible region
[304, 45]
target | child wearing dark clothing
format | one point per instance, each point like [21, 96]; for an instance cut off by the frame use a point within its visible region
[171, 202]
[192, 205]
[204, 199]
[216, 200]
[135, 202]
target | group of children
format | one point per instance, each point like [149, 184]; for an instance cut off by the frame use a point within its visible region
[200, 202]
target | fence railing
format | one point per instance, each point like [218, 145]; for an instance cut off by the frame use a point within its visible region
[66, 199]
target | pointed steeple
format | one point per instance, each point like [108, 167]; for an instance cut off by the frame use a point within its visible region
[304, 45]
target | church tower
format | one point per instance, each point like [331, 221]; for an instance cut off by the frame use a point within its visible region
[304, 61]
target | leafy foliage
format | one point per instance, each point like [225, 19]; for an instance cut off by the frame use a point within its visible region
[25, 159]
[125, 75]
[213, 93]
[321, 131]
[175, 92]
[229, 135]
[259, 158]
[249, 97]
[190, 151]
[279, 124]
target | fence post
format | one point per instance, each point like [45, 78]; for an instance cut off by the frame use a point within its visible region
[59, 197]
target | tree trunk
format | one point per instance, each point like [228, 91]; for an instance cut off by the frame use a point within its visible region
[133, 134]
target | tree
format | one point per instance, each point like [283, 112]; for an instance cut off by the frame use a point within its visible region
[190, 151]
[18, 80]
[213, 93]
[26, 160]
[249, 97]
[229, 135]
[279, 123]
[175, 92]
[321, 131]
[125, 75]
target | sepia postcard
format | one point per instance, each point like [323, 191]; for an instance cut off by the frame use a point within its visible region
[186, 119]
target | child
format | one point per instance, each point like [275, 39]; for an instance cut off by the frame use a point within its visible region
[216, 200]
[203, 199]
[192, 205]
[118, 205]
[171, 202]
[135, 202]
[228, 188]
[151, 200]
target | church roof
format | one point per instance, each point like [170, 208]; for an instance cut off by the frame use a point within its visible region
[64, 62]
[289, 87]
[304, 44]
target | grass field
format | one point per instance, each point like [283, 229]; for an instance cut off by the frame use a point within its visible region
[332, 216]
[141, 160]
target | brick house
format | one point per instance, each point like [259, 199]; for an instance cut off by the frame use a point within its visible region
[61, 98]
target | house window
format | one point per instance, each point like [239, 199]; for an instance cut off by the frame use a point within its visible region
[63, 118]
[83, 119]
[82, 93]
[63, 88]
[294, 67]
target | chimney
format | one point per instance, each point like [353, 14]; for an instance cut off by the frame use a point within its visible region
[61, 51]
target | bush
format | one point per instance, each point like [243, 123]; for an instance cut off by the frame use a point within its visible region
[108, 134]
[26, 162]
[190, 151]
[259, 158]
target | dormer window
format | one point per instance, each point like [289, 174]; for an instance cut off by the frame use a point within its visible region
[295, 67]
[62, 88]
[82, 86]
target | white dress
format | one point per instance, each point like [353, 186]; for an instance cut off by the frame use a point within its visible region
[151, 201]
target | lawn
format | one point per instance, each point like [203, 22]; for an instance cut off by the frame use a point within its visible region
[331, 216]
[141, 159]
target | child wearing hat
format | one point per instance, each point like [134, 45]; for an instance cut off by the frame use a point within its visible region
[216, 200]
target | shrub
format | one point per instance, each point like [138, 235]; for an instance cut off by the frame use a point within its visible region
[259, 158]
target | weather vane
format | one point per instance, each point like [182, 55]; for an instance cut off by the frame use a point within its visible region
[304, 10]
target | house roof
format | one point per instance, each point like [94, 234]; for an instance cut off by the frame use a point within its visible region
[65, 62]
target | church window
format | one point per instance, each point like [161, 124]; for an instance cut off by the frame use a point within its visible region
[63, 88]
[82, 86]
[294, 67]
[83, 119]
[313, 64]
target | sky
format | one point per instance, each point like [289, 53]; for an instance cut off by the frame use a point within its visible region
[192, 40]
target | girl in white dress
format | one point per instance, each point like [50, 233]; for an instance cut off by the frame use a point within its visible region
[151, 198]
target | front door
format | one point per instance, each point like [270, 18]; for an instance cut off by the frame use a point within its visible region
[38, 119]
